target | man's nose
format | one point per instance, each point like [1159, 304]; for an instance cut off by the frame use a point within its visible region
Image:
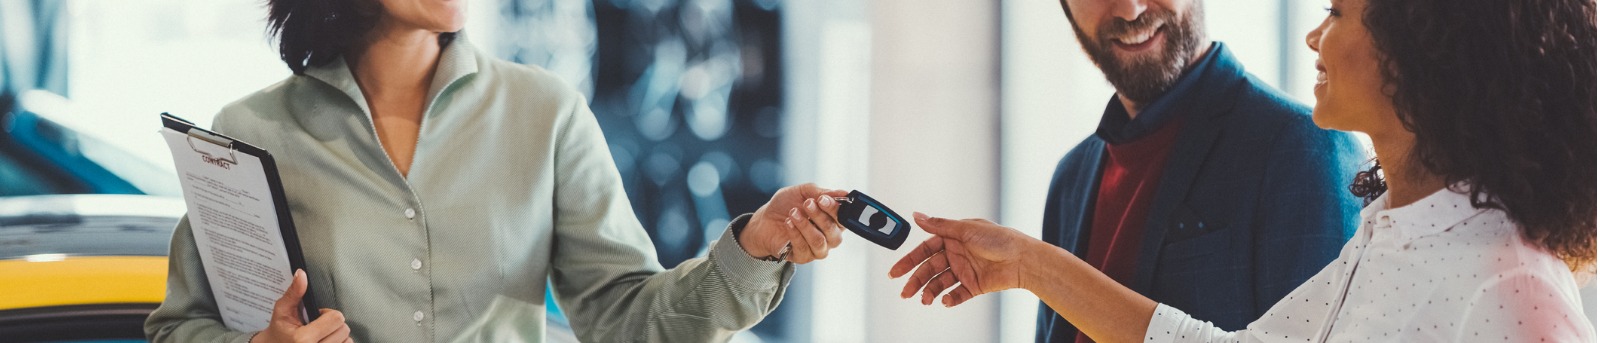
[1129, 10]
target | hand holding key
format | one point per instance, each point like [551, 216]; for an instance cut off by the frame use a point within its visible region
[811, 223]
[797, 225]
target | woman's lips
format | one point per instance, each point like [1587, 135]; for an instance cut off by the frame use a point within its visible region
[1322, 73]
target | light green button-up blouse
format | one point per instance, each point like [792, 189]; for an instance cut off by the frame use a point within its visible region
[512, 184]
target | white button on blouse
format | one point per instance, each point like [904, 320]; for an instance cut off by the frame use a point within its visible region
[416, 264]
[411, 213]
[1437, 270]
[416, 316]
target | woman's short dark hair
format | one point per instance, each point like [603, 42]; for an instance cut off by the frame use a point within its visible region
[312, 33]
[1501, 96]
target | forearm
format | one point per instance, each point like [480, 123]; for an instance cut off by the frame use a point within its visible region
[1099, 306]
[702, 299]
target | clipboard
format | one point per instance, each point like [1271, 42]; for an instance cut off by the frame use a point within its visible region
[291, 239]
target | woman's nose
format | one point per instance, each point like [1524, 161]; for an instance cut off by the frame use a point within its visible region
[1314, 38]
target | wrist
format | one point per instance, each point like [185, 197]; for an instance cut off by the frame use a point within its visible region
[1030, 275]
[742, 235]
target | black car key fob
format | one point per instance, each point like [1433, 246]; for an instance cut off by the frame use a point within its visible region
[871, 220]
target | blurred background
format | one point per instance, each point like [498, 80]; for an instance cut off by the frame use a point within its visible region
[953, 108]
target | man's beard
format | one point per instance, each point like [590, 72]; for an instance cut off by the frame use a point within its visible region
[1143, 78]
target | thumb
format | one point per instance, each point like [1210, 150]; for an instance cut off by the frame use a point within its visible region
[934, 225]
[288, 306]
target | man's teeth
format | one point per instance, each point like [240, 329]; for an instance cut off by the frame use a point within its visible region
[1322, 77]
[1136, 38]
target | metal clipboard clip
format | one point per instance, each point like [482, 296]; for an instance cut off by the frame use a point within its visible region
[194, 134]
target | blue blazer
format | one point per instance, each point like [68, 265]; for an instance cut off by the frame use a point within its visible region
[1254, 200]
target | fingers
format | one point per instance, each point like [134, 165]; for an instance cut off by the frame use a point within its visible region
[829, 208]
[327, 323]
[939, 283]
[338, 336]
[813, 237]
[961, 265]
[934, 225]
[799, 249]
[931, 267]
[822, 221]
[961, 294]
[287, 308]
[923, 251]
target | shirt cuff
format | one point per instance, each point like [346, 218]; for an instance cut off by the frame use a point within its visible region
[747, 272]
[1164, 324]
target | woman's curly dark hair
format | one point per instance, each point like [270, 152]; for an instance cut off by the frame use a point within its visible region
[1501, 96]
[312, 33]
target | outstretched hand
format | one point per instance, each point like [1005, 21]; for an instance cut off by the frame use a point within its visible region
[968, 258]
[974, 256]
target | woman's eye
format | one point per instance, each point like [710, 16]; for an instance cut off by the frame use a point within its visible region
[1331, 11]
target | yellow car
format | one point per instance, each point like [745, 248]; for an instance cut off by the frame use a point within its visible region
[82, 268]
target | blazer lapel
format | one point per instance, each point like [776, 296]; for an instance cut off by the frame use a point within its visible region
[1188, 154]
[1079, 242]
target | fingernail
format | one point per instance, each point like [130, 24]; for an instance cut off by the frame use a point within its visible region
[794, 212]
[827, 200]
[919, 215]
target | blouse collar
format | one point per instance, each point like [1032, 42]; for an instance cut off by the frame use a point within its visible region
[458, 60]
[1434, 214]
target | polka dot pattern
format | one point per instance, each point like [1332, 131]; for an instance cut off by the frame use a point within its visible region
[1437, 270]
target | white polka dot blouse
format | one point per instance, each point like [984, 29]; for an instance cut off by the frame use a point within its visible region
[1437, 270]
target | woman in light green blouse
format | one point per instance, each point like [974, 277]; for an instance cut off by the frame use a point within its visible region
[436, 190]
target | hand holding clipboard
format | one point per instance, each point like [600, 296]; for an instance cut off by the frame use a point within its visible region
[241, 223]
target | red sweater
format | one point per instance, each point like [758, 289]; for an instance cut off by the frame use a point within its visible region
[1127, 185]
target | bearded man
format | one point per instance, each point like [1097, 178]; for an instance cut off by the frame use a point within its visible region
[1203, 187]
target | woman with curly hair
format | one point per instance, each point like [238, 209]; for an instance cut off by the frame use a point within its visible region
[1481, 221]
